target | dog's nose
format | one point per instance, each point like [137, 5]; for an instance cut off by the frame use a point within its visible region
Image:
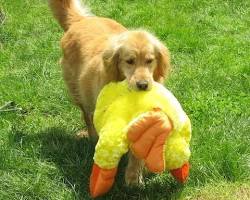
[142, 85]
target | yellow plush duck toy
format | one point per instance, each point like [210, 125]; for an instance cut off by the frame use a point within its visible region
[152, 124]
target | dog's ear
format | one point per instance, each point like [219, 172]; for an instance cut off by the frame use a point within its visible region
[111, 61]
[163, 62]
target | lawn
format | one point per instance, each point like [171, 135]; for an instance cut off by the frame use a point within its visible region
[209, 41]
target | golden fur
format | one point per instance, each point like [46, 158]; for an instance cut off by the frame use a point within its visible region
[99, 50]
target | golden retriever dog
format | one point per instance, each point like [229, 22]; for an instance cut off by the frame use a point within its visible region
[99, 50]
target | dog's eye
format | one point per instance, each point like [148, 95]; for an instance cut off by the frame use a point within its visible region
[130, 61]
[149, 61]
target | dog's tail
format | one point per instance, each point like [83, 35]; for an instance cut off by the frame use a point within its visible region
[68, 12]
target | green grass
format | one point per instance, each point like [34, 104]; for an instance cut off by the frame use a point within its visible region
[209, 42]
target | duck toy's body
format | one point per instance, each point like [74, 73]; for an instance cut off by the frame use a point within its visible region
[152, 124]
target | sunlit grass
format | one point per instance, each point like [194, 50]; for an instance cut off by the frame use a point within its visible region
[209, 43]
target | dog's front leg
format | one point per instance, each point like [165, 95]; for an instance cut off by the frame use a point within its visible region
[134, 171]
[88, 118]
[91, 132]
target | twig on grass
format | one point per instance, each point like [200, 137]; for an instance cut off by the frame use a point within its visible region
[11, 109]
[9, 106]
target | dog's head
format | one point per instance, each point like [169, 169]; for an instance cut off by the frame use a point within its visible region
[138, 57]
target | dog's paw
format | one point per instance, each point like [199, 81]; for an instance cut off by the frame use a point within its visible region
[82, 134]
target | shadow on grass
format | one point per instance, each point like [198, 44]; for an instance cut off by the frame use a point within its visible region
[74, 159]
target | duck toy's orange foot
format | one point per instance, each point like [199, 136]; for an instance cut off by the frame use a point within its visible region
[181, 174]
[101, 180]
[147, 137]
